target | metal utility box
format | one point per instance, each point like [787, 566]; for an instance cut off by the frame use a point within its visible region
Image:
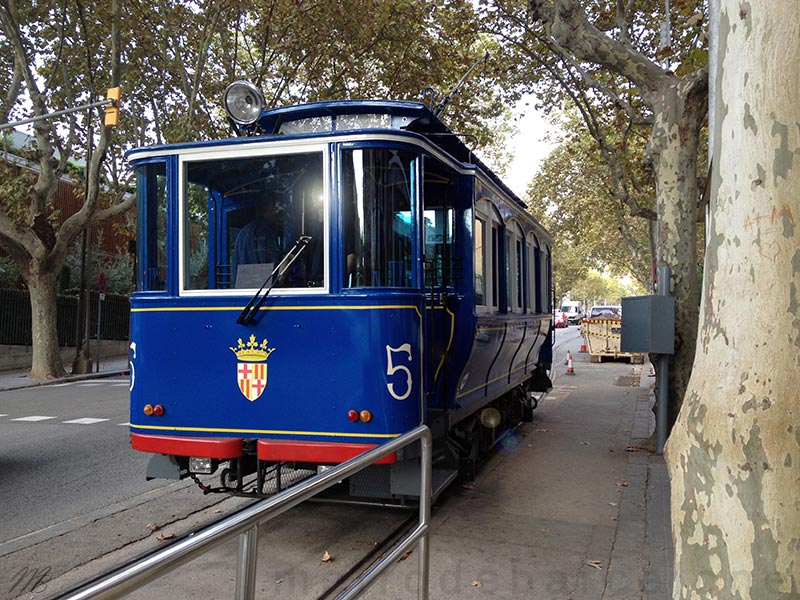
[648, 324]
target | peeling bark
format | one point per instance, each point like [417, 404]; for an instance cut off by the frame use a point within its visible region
[734, 455]
[679, 108]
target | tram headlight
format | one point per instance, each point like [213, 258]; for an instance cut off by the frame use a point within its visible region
[243, 102]
[490, 417]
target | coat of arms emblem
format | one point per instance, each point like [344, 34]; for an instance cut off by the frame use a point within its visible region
[251, 370]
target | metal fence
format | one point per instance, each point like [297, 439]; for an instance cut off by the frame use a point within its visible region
[245, 525]
[15, 317]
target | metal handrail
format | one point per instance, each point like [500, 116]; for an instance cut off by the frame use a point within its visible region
[245, 524]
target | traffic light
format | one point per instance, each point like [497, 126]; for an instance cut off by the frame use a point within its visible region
[112, 110]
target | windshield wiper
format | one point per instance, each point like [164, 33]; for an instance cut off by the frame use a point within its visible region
[250, 311]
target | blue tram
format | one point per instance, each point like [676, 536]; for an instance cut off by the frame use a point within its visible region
[335, 275]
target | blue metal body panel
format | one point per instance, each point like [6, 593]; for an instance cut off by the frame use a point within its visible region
[328, 358]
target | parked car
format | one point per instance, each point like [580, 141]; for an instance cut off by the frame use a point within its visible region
[572, 308]
[611, 311]
[559, 319]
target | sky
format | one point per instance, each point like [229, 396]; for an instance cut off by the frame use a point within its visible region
[529, 148]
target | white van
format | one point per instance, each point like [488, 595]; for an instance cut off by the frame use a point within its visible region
[572, 308]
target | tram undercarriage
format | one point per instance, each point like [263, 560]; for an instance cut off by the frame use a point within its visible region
[458, 451]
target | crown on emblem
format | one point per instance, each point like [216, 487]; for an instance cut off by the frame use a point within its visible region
[252, 351]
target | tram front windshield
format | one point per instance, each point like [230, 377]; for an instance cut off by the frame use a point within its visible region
[241, 216]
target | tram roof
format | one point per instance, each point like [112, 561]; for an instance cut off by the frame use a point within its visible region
[330, 117]
[414, 117]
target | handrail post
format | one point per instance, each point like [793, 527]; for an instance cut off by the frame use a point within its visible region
[425, 493]
[246, 564]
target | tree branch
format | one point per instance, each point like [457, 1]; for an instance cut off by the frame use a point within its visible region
[567, 23]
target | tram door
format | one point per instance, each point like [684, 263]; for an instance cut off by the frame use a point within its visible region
[440, 184]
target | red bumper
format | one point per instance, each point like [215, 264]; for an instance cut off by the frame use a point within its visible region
[221, 448]
[268, 450]
[315, 452]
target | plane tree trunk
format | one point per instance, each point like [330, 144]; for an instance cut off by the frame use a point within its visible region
[679, 110]
[46, 360]
[734, 454]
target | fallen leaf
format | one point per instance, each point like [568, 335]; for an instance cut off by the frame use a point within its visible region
[326, 557]
[542, 430]
[476, 583]
[405, 556]
[165, 536]
[279, 581]
[622, 483]
[153, 527]
[632, 448]
[586, 443]
[217, 511]
[613, 504]
[595, 564]
[468, 486]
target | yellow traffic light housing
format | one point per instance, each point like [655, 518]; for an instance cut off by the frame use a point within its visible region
[112, 110]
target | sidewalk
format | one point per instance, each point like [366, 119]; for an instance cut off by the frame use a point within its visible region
[17, 379]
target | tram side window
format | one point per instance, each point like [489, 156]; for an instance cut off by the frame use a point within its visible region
[438, 221]
[521, 282]
[539, 291]
[509, 248]
[497, 241]
[378, 217]
[152, 198]
[480, 262]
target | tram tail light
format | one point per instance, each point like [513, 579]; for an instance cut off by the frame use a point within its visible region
[158, 410]
[148, 409]
[355, 416]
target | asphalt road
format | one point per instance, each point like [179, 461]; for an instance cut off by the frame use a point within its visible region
[65, 452]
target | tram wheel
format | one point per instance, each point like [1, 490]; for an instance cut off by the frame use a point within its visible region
[227, 479]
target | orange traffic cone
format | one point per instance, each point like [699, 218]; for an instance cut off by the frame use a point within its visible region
[583, 345]
[570, 370]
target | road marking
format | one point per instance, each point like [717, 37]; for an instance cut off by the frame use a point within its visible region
[123, 424]
[90, 384]
[3, 415]
[126, 384]
[85, 421]
[34, 418]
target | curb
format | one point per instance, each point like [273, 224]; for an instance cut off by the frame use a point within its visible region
[68, 379]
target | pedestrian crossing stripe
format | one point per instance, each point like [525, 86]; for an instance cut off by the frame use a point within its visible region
[80, 421]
